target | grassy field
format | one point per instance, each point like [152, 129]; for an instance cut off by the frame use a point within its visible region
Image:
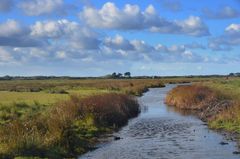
[63, 118]
[46, 98]
[47, 92]
[217, 102]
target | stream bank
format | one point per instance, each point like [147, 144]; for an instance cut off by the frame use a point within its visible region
[162, 132]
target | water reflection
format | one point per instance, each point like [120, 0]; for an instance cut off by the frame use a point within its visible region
[183, 112]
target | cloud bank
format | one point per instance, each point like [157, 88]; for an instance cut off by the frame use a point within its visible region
[132, 18]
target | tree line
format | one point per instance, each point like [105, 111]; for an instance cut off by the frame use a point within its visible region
[120, 75]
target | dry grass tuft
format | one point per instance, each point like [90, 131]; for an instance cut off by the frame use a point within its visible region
[190, 96]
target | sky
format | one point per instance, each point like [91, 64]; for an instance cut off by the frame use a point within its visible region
[95, 38]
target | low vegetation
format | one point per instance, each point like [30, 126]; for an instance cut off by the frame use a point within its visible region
[63, 118]
[69, 128]
[217, 102]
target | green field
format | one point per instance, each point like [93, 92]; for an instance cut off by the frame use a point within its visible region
[45, 98]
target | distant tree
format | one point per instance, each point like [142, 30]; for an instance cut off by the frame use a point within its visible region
[7, 77]
[231, 74]
[127, 74]
[119, 75]
[237, 74]
[114, 75]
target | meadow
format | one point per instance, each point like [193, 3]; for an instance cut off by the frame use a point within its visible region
[59, 118]
[64, 118]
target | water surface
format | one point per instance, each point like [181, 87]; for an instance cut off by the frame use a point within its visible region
[160, 132]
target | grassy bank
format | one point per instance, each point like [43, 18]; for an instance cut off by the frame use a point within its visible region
[217, 102]
[230, 119]
[69, 128]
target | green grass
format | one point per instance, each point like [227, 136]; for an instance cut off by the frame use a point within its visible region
[229, 88]
[22, 104]
[226, 124]
[45, 98]
[8, 98]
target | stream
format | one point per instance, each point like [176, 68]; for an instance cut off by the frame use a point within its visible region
[161, 132]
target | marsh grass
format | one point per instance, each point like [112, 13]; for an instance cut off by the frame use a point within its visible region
[208, 95]
[67, 129]
[190, 96]
[63, 118]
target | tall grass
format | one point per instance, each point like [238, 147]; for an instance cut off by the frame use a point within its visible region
[190, 96]
[68, 128]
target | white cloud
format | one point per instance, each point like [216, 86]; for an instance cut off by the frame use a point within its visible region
[112, 17]
[13, 34]
[121, 48]
[42, 7]
[141, 46]
[225, 42]
[5, 56]
[54, 29]
[10, 28]
[193, 26]
[61, 54]
[233, 29]
[68, 32]
[118, 42]
[171, 49]
[132, 18]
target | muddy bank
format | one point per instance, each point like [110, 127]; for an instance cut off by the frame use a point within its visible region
[203, 102]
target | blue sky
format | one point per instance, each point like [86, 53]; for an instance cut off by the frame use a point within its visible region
[94, 38]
